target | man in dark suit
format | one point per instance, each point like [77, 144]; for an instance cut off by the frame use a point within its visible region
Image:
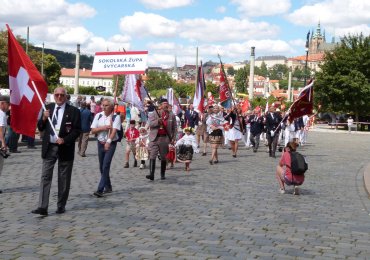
[273, 120]
[191, 117]
[162, 132]
[57, 145]
[256, 128]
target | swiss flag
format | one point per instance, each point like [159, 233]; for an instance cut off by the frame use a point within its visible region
[25, 105]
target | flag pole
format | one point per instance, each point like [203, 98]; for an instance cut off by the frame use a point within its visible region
[228, 86]
[44, 108]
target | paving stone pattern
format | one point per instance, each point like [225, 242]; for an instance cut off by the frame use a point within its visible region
[231, 210]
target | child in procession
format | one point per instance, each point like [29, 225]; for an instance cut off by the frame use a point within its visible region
[142, 153]
[187, 145]
[131, 135]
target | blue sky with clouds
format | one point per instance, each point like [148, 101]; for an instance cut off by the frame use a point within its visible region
[176, 27]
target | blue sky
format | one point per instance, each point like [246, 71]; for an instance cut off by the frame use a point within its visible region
[176, 27]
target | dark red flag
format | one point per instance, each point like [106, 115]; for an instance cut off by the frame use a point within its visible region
[25, 105]
[304, 103]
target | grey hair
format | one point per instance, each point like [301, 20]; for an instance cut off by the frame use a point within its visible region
[110, 102]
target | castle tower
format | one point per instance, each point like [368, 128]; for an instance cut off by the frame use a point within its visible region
[317, 40]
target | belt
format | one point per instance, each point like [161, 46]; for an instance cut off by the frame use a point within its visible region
[54, 144]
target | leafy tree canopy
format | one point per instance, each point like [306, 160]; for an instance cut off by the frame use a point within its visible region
[342, 85]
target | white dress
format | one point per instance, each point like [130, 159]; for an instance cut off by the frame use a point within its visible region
[235, 132]
[187, 146]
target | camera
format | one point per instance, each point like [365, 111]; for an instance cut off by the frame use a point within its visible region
[4, 154]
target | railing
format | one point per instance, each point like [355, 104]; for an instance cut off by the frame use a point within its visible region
[355, 125]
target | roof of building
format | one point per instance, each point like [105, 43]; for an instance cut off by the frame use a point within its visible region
[83, 73]
[273, 57]
[311, 57]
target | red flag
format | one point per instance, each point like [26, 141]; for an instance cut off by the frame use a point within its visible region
[245, 106]
[304, 104]
[225, 94]
[25, 105]
[211, 99]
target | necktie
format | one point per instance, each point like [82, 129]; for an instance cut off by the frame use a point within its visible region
[55, 119]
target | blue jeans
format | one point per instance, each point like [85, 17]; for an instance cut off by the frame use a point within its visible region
[105, 159]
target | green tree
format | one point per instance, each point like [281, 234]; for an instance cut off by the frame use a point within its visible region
[52, 69]
[159, 80]
[241, 79]
[343, 86]
[213, 88]
[4, 80]
[264, 70]
[120, 83]
[182, 90]
[230, 71]
[278, 71]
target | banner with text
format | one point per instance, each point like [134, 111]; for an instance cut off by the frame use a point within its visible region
[111, 63]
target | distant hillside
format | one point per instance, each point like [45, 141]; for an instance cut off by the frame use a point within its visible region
[68, 60]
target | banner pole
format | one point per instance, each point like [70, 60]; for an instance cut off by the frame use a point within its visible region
[44, 108]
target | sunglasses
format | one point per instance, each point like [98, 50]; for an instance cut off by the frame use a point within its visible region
[59, 95]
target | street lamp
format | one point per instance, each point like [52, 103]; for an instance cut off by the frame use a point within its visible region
[305, 66]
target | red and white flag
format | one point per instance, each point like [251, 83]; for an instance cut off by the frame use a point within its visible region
[25, 105]
[211, 99]
[173, 101]
[198, 101]
[134, 91]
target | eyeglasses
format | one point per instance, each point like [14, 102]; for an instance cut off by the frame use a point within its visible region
[59, 95]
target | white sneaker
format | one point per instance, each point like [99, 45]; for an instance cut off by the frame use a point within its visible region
[142, 166]
[282, 191]
[296, 190]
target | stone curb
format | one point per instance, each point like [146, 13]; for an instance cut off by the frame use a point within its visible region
[367, 179]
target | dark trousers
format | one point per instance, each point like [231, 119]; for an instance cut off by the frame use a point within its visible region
[13, 140]
[64, 178]
[272, 142]
[105, 160]
[255, 140]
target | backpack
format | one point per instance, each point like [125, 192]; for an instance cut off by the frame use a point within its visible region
[119, 131]
[298, 164]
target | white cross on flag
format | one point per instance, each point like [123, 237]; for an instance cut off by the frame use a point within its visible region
[25, 106]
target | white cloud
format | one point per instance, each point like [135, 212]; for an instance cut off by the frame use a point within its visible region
[162, 46]
[262, 7]
[196, 30]
[298, 43]
[334, 15]
[28, 13]
[165, 4]
[227, 29]
[221, 9]
[148, 24]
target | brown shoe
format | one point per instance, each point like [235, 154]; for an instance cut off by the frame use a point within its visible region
[126, 165]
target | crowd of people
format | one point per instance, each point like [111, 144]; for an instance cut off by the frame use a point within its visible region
[156, 133]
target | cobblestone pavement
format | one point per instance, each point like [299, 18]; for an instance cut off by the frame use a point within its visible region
[231, 210]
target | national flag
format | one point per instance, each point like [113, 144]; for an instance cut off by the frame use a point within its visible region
[245, 105]
[225, 93]
[25, 105]
[304, 103]
[132, 91]
[198, 102]
[211, 99]
[173, 101]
